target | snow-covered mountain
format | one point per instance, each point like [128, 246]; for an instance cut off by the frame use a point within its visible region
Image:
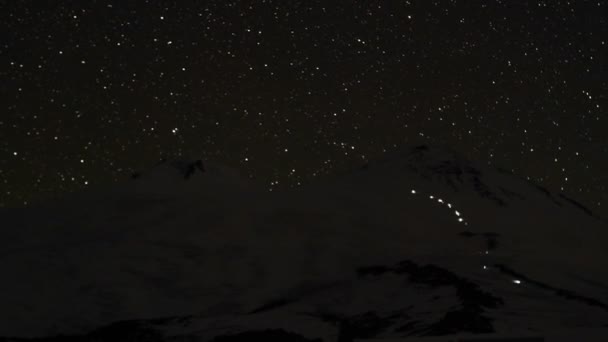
[421, 243]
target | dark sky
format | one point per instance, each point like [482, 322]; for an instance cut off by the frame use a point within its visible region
[293, 91]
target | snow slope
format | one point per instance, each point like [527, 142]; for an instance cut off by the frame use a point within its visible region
[192, 250]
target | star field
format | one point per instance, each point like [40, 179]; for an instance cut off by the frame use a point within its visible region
[293, 91]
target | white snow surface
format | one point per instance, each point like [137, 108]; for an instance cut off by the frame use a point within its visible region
[214, 249]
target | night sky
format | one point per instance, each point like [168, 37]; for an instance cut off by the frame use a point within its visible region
[294, 91]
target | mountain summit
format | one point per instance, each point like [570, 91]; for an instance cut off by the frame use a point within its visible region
[184, 168]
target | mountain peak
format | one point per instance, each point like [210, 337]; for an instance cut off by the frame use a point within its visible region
[188, 175]
[184, 167]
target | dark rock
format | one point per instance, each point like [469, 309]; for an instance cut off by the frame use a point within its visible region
[467, 234]
[277, 335]
[363, 326]
[473, 300]
[271, 305]
[187, 169]
[578, 205]
[485, 192]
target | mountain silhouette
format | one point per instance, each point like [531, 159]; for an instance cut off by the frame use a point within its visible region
[420, 243]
